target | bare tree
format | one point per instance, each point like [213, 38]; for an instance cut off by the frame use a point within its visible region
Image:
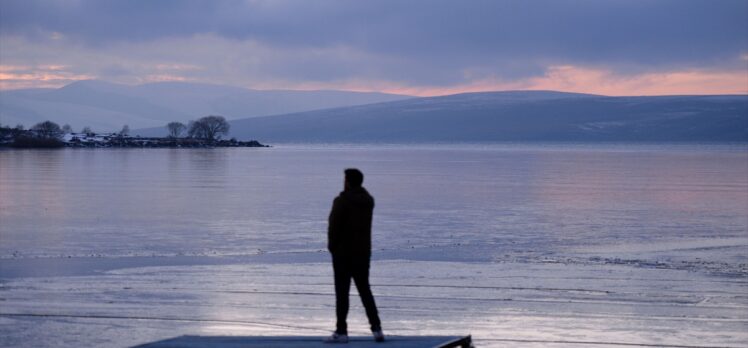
[192, 129]
[87, 131]
[209, 128]
[175, 129]
[67, 129]
[48, 130]
[125, 131]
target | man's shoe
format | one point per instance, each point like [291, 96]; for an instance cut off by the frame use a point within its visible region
[336, 338]
[378, 335]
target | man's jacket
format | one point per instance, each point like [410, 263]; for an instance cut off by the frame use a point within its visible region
[349, 229]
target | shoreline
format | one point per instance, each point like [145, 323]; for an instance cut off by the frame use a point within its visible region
[127, 142]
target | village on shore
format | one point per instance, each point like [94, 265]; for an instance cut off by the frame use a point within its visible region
[203, 133]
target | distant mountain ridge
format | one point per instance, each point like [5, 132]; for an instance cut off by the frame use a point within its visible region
[339, 116]
[513, 116]
[107, 107]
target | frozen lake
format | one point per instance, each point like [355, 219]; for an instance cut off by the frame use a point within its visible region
[521, 245]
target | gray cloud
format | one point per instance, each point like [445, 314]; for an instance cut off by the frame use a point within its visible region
[415, 42]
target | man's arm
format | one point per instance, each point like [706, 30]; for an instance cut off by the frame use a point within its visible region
[334, 225]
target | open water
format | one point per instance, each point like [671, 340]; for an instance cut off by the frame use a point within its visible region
[484, 202]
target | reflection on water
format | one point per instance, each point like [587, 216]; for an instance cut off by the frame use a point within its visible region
[486, 199]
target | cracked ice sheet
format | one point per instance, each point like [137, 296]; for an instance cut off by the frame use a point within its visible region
[499, 303]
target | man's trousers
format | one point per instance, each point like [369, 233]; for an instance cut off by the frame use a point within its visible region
[348, 267]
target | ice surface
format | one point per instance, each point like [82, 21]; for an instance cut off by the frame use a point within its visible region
[526, 304]
[523, 246]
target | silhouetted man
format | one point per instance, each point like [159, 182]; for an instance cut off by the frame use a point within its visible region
[349, 242]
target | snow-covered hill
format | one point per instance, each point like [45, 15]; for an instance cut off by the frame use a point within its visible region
[107, 107]
[513, 116]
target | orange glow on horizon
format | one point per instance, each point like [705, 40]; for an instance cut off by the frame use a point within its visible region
[565, 78]
[574, 79]
[42, 76]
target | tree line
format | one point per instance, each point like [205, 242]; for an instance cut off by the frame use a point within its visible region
[209, 129]
[42, 134]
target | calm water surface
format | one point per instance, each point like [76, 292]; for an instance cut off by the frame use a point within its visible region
[658, 203]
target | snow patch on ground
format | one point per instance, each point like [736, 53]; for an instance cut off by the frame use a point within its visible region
[517, 303]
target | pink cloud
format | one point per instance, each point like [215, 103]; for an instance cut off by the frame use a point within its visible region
[42, 76]
[598, 81]
[605, 82]
[163, 78]
[560, 78]
[566, 78]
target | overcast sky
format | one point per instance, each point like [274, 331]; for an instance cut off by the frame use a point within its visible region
[626, 47]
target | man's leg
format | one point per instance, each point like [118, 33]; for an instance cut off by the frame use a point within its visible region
[361, 277]
[341, 269]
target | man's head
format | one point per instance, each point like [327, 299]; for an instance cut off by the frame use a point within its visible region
[353, 178]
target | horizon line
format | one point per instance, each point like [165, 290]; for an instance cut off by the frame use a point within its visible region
[382, 91]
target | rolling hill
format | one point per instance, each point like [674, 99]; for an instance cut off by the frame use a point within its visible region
[107, 107]
[513, 116]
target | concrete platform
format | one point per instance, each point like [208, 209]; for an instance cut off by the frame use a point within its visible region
[308, 341]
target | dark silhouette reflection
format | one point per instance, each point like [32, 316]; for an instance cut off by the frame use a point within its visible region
[209, 167]
[349, 242]
[208, 160]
